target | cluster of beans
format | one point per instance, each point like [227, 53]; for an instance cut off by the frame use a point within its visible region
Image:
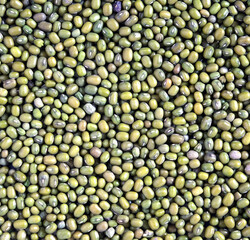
[124, 119]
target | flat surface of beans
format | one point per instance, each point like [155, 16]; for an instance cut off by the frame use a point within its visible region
[124, 120]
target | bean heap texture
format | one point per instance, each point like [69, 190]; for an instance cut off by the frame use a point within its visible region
[124, 120]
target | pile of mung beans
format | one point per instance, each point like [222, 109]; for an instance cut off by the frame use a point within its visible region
[124, 120]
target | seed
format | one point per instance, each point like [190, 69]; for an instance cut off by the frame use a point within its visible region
[124, 119]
